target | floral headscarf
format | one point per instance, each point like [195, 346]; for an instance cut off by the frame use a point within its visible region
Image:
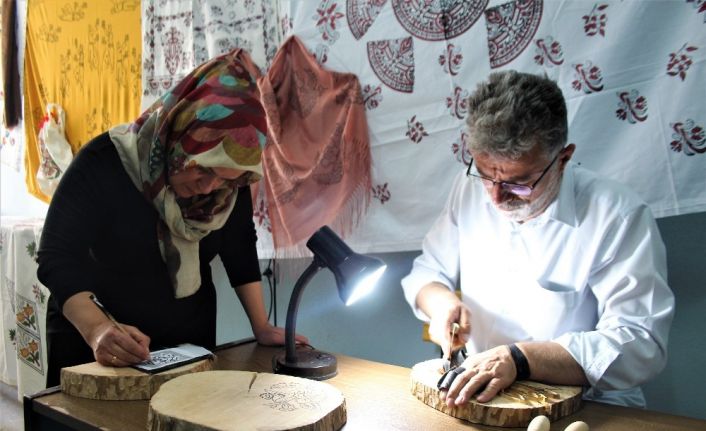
[212, 118]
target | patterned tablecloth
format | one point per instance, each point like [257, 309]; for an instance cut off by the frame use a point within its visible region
[23, 301]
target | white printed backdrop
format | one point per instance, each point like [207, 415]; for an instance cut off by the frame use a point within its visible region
[632, 72]
[178, 35]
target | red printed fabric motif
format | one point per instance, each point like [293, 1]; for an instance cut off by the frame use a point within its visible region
[415, 130]
[548, 52]
[461, 150]
[361, 14]
[594, 23]
[688, 137]
[372, 96]
[328, 16]
[631, 106]
[438, 20]
[679, 62]
[511, 27]
[393, 62]
[158, 77]
[699, 5]
[588, 77]
[381, 193]
[451, 59]
[458, 103]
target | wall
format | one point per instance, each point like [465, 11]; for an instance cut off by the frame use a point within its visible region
[14, 199]
[679, 389]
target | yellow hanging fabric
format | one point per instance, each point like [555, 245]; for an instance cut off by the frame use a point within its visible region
[85, 57]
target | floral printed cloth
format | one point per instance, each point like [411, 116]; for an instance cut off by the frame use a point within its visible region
[213, 119]
[23, 302]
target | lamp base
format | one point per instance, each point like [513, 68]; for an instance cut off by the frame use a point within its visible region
[309, 364]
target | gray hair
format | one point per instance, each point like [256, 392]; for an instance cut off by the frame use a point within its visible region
[512, 112]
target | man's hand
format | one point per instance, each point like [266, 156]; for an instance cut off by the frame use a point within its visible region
[444, 309]
[441, 323]
[487, 372]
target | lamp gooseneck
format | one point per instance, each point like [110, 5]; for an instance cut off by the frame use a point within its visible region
[290, 326]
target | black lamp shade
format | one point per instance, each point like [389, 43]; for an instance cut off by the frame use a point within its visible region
[355, 274]
[356, 277]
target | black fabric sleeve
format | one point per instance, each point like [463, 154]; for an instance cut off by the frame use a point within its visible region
[72, 224]
[238, 245]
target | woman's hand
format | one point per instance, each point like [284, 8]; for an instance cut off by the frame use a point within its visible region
[111, 346]
[269, 335]
[250, 296]
[115, 348]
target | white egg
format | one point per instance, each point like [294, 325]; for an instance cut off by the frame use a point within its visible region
[577, 426]
[539, 423]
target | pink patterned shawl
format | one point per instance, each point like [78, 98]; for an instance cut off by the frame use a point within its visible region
[317, 159]
[212, 118]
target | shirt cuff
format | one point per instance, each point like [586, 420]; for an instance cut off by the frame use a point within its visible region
[593, 353]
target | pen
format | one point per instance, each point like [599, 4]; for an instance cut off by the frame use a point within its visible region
[102, 308]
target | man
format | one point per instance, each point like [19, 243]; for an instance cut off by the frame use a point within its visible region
[562, 272]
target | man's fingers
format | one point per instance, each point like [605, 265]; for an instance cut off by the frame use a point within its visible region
[458, 384]
[473, 385]
[491, 390]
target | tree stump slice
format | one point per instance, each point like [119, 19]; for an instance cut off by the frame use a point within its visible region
[515, 406]
[244, 400]
[99, 382]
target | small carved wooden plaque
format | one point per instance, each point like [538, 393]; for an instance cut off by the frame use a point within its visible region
[245, 400]
[99, 382]
[515, 406]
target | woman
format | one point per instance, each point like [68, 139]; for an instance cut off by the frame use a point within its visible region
[140, 214]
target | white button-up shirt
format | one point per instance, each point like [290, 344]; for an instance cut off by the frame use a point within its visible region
[589, 273]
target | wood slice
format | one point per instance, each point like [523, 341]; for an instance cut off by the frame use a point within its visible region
[244, 400]
[99, 382]
[515, 406]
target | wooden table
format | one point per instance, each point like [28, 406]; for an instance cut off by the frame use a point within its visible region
[377, 396]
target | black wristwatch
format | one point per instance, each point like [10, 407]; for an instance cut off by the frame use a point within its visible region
[520, 360]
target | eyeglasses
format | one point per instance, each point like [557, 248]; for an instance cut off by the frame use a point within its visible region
[231, 182]
[515, 189]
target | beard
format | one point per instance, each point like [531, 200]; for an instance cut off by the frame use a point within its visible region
[519, 210]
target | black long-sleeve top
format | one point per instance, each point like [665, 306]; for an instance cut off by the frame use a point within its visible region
[100, 235]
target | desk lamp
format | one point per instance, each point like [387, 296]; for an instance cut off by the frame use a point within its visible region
[355, 274]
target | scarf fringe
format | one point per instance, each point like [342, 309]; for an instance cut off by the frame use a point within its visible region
[344, 224]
